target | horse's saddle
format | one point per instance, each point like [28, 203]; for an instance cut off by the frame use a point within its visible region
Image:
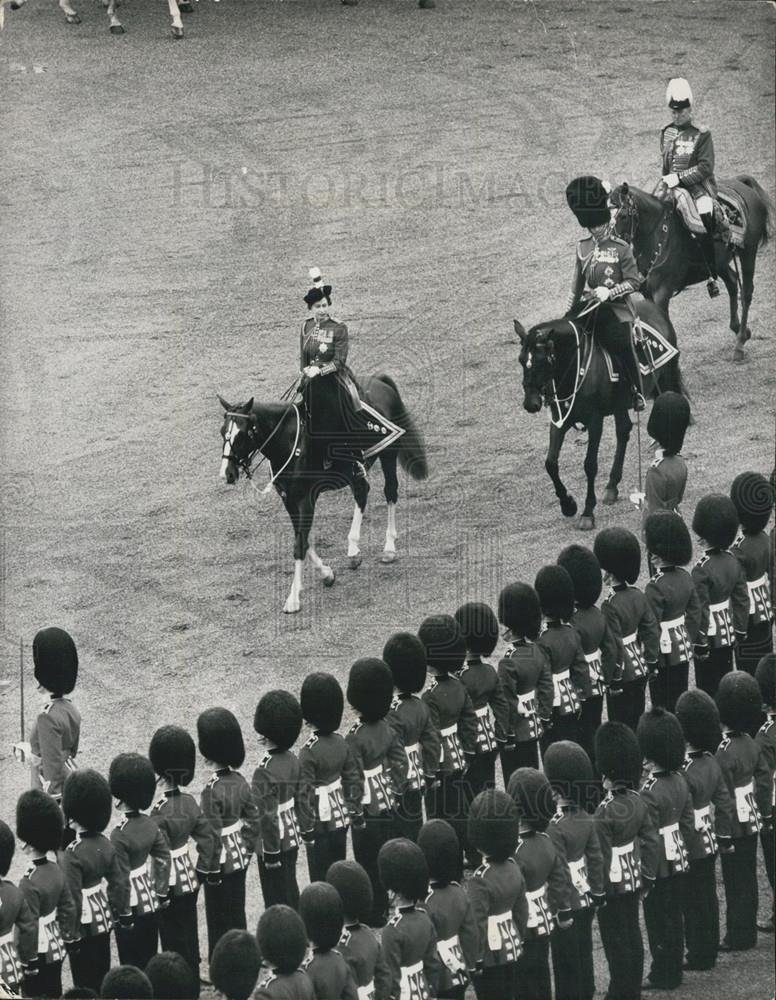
[651, 348]
[729, 215]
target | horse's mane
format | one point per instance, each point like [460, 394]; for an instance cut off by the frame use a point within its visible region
[644, 200]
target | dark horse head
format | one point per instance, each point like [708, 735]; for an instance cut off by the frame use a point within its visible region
[238, 432]
[539, 361]
[636, 213]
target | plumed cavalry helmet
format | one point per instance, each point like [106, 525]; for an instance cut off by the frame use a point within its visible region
[322, 702]
[278, 717]
[519, 610]
[556, 592]
[478, 626]
[667, 537]
[493, 826]
[617, 753]
[220, 738]
[716, 520]
[699, 718]
[661, 739]
[584, 569]
[370, 688]
[352, 883]
[320, 907]
[443, 642]
[282, 938]
[669, 420]
[739, 702]
[319, 291]
[56, 660]
[678, 94]
[588, 199]
[405, 654]
[403, 869]
[86, 799]
[173, 754]
[39, 820]
[619, 553]
[235, 965]
[439, 843]
[752, 496]
[132, 780]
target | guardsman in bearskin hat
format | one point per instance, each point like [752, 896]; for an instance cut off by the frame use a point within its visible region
[410, 716]
[409, 939]
[18, 924]
[548, 886]
[171, 976]
[450, 909]
[359, 943]
[631, 620]
[54, 737]
[144, 853]
[96, 878]
[228, 803]
[765, 675]
[235, 965]
[278, 722]
[124, 982]
[720, 582]
[629, 843]
[573, 831]
[180, 818]
[672, 596]
[320, 908]
[666, 478]
[329, 781]
[282, 945]
[598, 644]
[497, 894]
[687, 152]
[525, 675]
[605, 270]
[39, 826]
[752, 496]
[570, 676]
[669, 800]
[452, 713]
[712, 827]
[380, 760]
[751, 785]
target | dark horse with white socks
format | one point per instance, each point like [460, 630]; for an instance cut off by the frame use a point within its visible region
[279, 433]
[564, 368]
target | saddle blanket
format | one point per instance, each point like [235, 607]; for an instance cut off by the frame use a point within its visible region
[729, 214]
[369, 430]
[652, 351]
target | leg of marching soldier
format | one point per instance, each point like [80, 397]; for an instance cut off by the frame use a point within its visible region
[290, 884]
[564, 949]
[178, 930]
[739, 872]
[90, 964]
[409, 815]
[701, 914]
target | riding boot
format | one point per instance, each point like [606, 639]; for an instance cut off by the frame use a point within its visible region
[708, 252]
[633, 375]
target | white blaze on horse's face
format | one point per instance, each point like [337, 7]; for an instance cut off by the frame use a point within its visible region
[232, 430]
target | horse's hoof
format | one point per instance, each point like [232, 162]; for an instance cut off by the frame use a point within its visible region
[15, 6]
[738, 354]
[176, 31]
[291, 609]
[610, 496]
[72, 18]
[117, 29]
[585, 523]
[355, 561]
[328, 581]
[388, 557]
[568, 506]
[185, 7]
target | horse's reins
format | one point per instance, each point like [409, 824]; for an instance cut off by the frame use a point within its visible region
[633, 217]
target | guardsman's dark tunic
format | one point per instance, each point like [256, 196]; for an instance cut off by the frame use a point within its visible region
[453, 716]
[410, 951]
[497, 894]
[720, 582]
[599, 648]
[670, 805]
[490, 706]
[633, 624]
[570, 674]
[712, 805]
[275, 787]
[380, 761]
[97, 881]
[688, 152]
[547, 882]
[18, 935]
[526, 678]
[273, 985]
[674, 601]
[665, 483]
[330, 975]
[228, 803]
[456, 929]
[51, 906]
[54, 743]
[753, 551]
[180, 818]
[330, 784]
[364, 954]
[629, 841]
[410, 716]
[575, 834]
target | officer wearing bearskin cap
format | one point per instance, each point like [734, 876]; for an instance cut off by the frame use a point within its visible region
[380, 761]
[605, 271]
[329, 781]
[752, 496]
[712, 827]
[751, 786]
[666, 478]
[358, 942]
[410, 716]
[599, 646]
[573, 831]
[765, 675]
[282, 943]
[669, 801]
[629, 844]
[320, 908]
[18, 924]
[720, 581]
[235, 965]
[228, 803]
[631, 620]
[179, 816]
[674, 601]
[39, 826]
[525, 675]
[409, 939]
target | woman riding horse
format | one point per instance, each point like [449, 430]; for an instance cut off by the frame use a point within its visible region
[607, 265]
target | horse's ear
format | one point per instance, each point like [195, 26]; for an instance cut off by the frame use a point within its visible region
[624, 187]
[519, 329]
[249, 405]
[223, 402]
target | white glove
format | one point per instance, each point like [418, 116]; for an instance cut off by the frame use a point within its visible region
[602, 293]
[311, 371]
[671, 180]
[22, 751]
[637, 499]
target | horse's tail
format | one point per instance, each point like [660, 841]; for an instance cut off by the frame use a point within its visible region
[768, 207]
[412, 450]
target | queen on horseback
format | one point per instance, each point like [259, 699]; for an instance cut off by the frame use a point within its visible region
[605, 271]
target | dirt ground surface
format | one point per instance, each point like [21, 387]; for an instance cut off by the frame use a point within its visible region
[161, 204]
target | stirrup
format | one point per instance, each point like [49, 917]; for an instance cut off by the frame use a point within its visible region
[638, 401]
[712, 287]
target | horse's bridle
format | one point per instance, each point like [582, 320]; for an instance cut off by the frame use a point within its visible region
[548, 388]
[245, 462]
[631, 214]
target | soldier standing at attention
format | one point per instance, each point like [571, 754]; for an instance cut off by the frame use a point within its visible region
[752, 496]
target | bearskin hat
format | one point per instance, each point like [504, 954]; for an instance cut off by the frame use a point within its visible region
[126, 982]
[354, 887]
[519, 610]
[568, 769]
[132, 780]
[322, 702]
[739, 702]
[172, 977]
[699, 718]
[235, 965]
[678, 93]
[39, 820]
[220, 738]
[80, 993]
[173, 754]
[588, 199]
[533, 796]
[443, 642]
[405, 655]
[370, 689]
[661, 739]
[668, 421]
[278, 717]
[556, 593]
[617, 753]
[585, 571]
[7, 848]
[439, 842]
[56, 660]
[479, 628]
[282, 938]
[619, 553]
[667, 537]
[320, 907]
[86, 800]
[752, 496]
[403, 869]
[716, 520]
[765, 675]
[493, 826]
